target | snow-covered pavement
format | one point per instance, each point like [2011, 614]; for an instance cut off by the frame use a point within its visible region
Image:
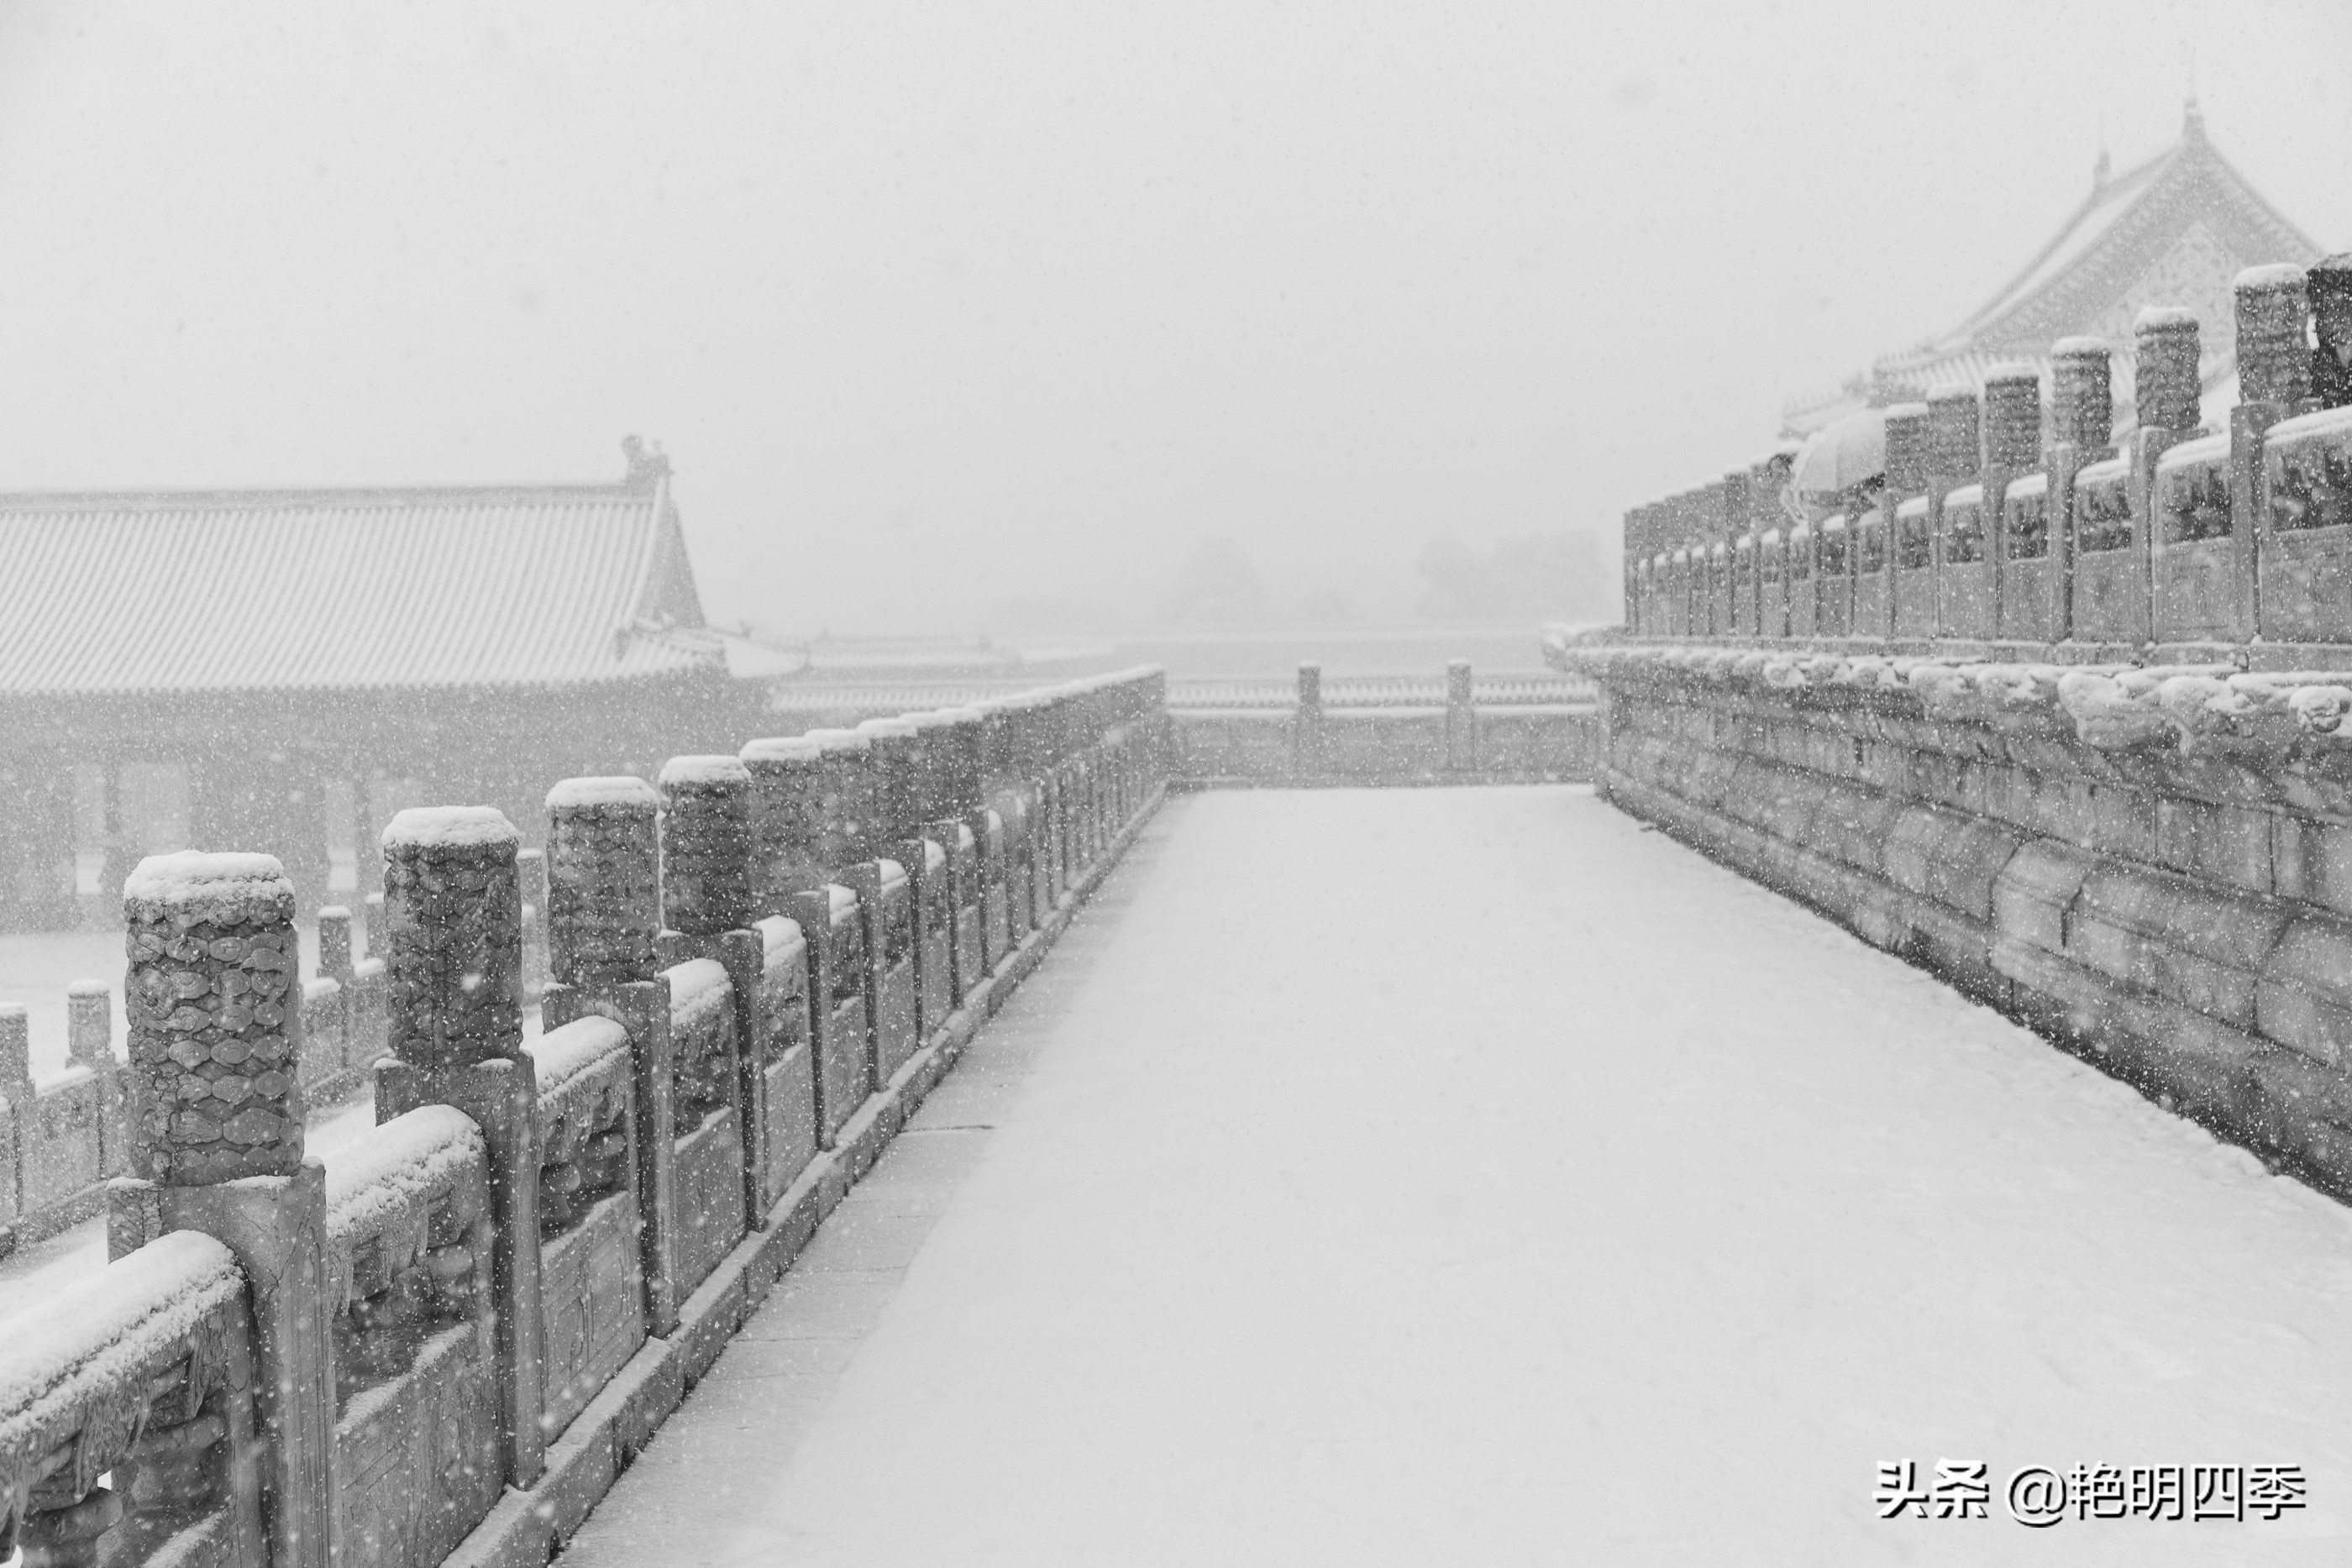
[1475, 1176]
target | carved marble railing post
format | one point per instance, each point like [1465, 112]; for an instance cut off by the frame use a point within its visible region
[2273, 321]
[1955, 455]
[215, 1008]
[2012, 449]
[16, 1088]
[2167, 387]
[603, 917]
[2082, 431]
[894, 755]
[90, 1042]
[1461, 719]
[708, 904]
[2330, 283]
[452, 946]
[1306, 734]
[787, 819]
[530, 868]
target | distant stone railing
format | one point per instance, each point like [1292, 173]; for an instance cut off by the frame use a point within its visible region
[2009, 522]
[445, 1342]
[1386, 729]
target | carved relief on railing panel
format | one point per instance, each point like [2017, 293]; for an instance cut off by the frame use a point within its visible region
[584, 1115]
[408, 1234]
[592, 1297]
[143, 1370]
[702, 1038]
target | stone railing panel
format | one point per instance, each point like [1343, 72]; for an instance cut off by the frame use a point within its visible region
[417, 1431]
[785, 1058]
[591, 1283]
[142, 1371]
[709, 1172]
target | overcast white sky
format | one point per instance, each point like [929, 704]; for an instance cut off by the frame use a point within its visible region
[933, 305]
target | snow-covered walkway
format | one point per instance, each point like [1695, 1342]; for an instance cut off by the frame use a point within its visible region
[1437, 1177]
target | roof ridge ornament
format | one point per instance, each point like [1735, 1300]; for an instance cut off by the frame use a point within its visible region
[648, 466]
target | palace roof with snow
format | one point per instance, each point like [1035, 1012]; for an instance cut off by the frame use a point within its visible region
[380, 589]
[2174, 230]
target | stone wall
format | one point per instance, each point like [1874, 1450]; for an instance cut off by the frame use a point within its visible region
[446, 1344]
[2151, 866]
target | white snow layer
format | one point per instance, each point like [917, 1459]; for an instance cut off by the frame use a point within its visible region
[107, 1326]
[1508, 1244]
[613, 790]
[560, 1055]
[697, 989]
[195, 876]
[779, 936]
[705, 770]
[782, 748]
[450, 827]
[398, 1167]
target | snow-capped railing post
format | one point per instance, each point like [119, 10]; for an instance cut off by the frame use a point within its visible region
[2274, 325]
[2167, 391]
[787, 819]
[17, 1091]
[1461, 719]
[1307, 727]
[708, 908]
[530, 869]
[894, 763]
[217, 1146]
[1955, 456]
[453, 953]
[335, 943]
[2012, 449]
[603, 917]
[90, 1042]
[2081, 430]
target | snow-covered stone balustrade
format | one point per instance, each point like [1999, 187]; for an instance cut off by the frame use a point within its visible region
[1993, 527]
[1383, 729]
[2151, 865]
[63, 1135]
[447, 1340]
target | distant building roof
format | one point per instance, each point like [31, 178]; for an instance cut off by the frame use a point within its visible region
[313, 590]
[2175, 230]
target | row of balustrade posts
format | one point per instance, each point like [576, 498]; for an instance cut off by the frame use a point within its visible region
[1309, 743]
[1987, 532]
[912, 855]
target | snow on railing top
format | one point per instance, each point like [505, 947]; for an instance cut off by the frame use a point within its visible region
[381, 1190]
[617, 790]
[79, 1370]
[2204, 449]
[2198, 708]
[2303, 426]
[783, 748]
[703, 770]
[780, 936]
[584, 1072]
[192, 880]
[450, 827]
[577, 1048]
[697, 994]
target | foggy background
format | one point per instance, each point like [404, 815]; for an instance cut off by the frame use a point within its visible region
[1061, 317]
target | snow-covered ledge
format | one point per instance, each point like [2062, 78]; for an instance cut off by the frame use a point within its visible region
[2151, 865]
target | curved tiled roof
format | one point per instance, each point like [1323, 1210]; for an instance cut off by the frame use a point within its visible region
[324, 589]
[2175, 228]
